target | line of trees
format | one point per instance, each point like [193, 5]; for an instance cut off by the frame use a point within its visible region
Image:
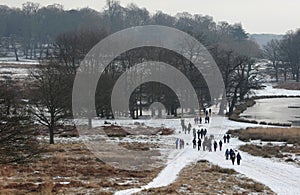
[50, 85]
[284, 56]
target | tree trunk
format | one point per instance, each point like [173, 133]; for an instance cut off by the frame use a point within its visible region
[297, 74]
[90, 122]
[140, 99]
[159, 113]
[233, 102]
[276, 71]
[51, 128]
[223, 104]
[51, 135]
[284, 74]
[16, 53]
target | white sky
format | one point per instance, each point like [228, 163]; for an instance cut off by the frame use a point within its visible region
[257, 16]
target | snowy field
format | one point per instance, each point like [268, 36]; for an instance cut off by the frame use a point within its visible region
[270, 91]
[281, 177]
[22, 61]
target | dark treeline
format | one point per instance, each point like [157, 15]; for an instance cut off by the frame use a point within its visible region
[33, 30]
[61, 38]
[284, 56]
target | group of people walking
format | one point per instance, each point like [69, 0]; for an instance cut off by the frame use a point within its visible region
[180, 143]
[198, 120]
[231, 154]
[186, 129]
[205, 141]
[226, 138]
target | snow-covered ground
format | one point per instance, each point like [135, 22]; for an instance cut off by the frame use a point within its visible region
[281, 177]
[14, 72]
[22, 60]
[270, 91]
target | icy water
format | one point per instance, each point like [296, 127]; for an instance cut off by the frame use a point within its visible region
[276, 110]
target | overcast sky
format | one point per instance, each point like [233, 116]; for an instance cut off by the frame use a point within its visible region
[257, 16]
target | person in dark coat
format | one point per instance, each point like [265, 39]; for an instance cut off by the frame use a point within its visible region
[227, 153]
[215, 145]
[201, 133]
[228, 138]
[220, 145]
[194, 143]
[199, 144]
[198, 133]
[182, 124]
[200, 120]
[232, 157]
[204, 132]
[194, 132]
[238, 158]
[224, 138]
[189, 128]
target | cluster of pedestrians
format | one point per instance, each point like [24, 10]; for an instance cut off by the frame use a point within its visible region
[180, 143]
[207, 115]
[201, 133]
[226, 138]
[198, 120]
[231, 154]
[205, 141]
[186, 129]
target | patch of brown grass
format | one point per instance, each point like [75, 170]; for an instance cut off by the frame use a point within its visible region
[263, 151]
[115, 131]
[291, 85]
[269, 151]
[217, 169]
[137, 146]
[73, 164]
[289, 135]
[205, 178]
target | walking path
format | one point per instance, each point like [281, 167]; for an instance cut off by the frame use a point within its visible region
[281, 177]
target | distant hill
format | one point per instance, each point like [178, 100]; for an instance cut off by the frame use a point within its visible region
[263, 39]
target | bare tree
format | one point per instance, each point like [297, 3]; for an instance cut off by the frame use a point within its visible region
[51, 95]
[272, 52]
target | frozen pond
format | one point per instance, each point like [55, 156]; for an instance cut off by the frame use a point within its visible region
[276, 110]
